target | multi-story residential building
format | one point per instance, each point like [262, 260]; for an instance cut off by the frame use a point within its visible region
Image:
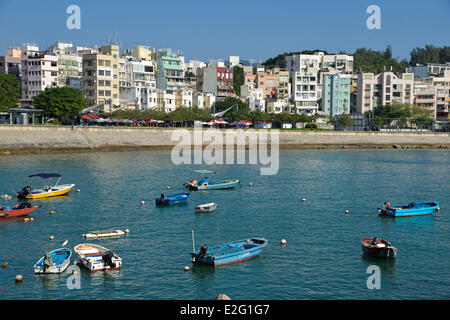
[425, 95]
[203, 100]
[216, 78]
[383, 89]
[137, 81]
[249, 90]
[170, 71]
[144, 53]
[184, 98]
[268, 83]
[11, 63]
[166, 100]
[101, 77]
[443, 95]
[70, 70]
[233, 61]
[193, 66]
[336, 94]
[284, 84]
[430, 69]
[279, 106]
[39, 71]
[305, 93]
[339, 63]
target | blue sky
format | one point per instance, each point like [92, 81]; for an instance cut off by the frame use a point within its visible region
[217, 29]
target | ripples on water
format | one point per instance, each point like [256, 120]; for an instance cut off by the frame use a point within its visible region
[322, 258]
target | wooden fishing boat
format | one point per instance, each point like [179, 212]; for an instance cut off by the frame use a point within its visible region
[206, 208]
[172, 199]
[56, 261]
[48, 190]
[409, 210]
[378, 247]
[19, 210]
[206, 184]
[97, 258]
[103, 234]
[230, 252]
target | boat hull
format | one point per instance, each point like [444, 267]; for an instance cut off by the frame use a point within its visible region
[60, 264]
[53, 192]
[179, 198]
[91, 257]
[240, 251]
[378, 252]
[17, 212]
[410, 210]
[206, 208]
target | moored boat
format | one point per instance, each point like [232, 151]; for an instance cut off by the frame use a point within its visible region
[48, 190]
[19, 210]
[409, 210]
[172, 199]
[103, 234]
[206, 208]
[55, 261]
[97, 258]
[206, 184]
[378, 247]
[230, 252]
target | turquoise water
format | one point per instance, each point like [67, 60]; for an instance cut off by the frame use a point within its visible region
[321, 260]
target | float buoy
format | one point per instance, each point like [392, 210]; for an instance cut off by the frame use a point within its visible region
[347, 212]
[74, 272]
[142, 203]
[4, 265]
[26, 219]
[52, 238]
[283, 241]
[52, 212]
[126, 231]
[168, 188]
[19, 278]
[303, 199]
[186, 268]
[250, 184]
[78, 190]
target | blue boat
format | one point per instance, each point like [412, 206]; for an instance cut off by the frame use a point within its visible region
[206, 184]
[230, 252]
[172, 199]
[409, 210]
[56, 261]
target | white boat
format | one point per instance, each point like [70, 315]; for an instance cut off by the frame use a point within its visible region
[103, 234]
[95, 257]
[205, 208]
[55, 261]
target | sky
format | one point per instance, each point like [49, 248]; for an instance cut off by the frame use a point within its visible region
[210, 30]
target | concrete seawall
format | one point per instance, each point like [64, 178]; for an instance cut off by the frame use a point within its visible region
[42, 139]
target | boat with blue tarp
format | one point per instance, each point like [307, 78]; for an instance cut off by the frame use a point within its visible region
[409, 210]
[172, 199]
[205, 183]
[230, 252]
[55, 261]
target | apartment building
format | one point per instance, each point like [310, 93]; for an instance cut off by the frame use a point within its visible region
[268, 83]
[216, 78]
[39, 71]
[443, 95]
[137, 81]
[12, 63]
[424, 71]
[170, 70]
[144, 53]
[101, 78]
[336, 94]
[203, 100]
[382, 89]
[284, 84]
[425, 95]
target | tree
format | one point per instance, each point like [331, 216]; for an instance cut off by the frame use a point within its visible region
[9, 91]
[369, 60]
[345, 120]
[280, 60]
[230, 102]
[430, 54]
[238, 79]
[60, 103]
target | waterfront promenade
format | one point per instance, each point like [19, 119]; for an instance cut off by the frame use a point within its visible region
[43, 139]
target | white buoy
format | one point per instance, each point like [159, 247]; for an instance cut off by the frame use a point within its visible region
[52, 238]
[31, 219]
[126, 231]
[142, 203]
[283, 241]
[347, 212]
[78, 190]
[250, 184]
[19, 278]
[52, 212]
[186, 268]
[303, 199]
[168, 188]
[26, 219]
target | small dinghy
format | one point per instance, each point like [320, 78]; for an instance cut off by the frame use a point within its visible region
[96, 258]
[103, 234]
[172, 199]
[206, 208]
[55, 261]
[206, 184]
[409, 210]
[19, 210]
[377, 247]
[230, 252]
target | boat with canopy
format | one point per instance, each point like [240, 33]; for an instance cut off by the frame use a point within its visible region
[206, 184]
[48, 190]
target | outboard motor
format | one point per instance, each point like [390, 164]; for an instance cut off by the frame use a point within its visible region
[24, 192]
[107, 259]
[48, 261]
